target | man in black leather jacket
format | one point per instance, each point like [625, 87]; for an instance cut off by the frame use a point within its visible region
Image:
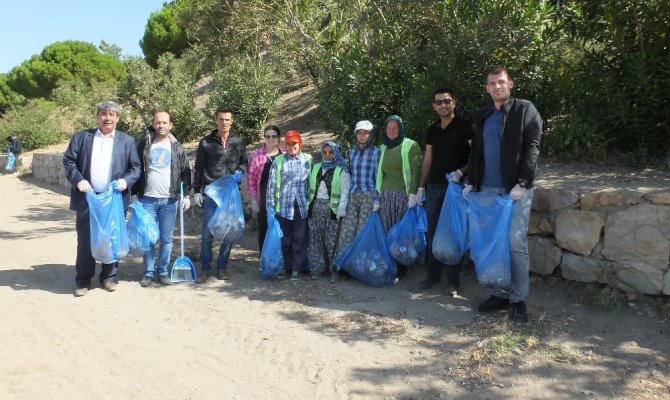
[503, 159]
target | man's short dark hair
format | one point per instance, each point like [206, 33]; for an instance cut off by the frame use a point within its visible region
[498, 69]
[444, 89]
[223, 109]
[162, 110]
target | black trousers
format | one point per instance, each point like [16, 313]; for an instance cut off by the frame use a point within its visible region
[85, 263]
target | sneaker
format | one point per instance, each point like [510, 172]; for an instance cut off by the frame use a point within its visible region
[164, 280]
[222, 274]
[334, 276]
[451, 290]
[281, 275]
[295, 276]
[493, 303]
[424, 285]
[146, 281]
[315, 276]
[79, 292]
[519, 315]
[203, 277]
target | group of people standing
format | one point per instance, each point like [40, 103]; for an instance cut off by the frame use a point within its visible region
[319, 206]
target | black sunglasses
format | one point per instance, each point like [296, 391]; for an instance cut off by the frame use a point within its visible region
[444, 101]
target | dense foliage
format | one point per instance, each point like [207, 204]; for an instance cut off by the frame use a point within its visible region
[599, 72]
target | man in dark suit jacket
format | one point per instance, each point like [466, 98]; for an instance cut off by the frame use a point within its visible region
[93, 160]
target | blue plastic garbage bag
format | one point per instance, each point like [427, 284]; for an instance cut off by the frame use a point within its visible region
[11, 159]
[109, 237]
[142, 230]
[450, 241]
[407, 238]
[367, 258]
[490, 216]
[272, 258]
[227, 223]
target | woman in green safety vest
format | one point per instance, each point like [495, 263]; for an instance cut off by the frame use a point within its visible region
[329, 183]
[398, 175]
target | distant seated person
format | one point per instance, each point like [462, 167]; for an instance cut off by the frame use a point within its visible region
[14, 144]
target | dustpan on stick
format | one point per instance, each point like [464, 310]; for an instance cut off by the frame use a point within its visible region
[183, 269]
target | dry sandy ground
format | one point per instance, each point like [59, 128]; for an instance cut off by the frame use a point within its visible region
[255, 339]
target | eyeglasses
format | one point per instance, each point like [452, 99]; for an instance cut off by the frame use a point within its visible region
[271, 136]
[444, 101]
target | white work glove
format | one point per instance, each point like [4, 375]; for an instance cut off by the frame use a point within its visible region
[198, 200]
[421, 195]
[133, 199]
[375, 206]
[411, 203]
[185, 203]
[455, 176]
[120, 185]
[467, 190]
[341, 212]
[517, 192]
[84, 186]
[254, 207]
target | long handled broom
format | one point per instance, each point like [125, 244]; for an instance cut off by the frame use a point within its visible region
[183, 269]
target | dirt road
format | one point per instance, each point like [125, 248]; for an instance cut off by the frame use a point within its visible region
[254, 339]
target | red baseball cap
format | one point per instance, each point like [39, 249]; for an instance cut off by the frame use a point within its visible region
[293, 136]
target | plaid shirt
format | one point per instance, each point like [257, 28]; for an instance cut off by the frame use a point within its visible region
[363, 166]
[294, 185]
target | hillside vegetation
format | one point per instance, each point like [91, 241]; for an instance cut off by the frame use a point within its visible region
[599, 72]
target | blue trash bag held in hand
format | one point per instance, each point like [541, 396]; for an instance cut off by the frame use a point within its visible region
[451, 234]
[227, 223]
[109, 237]
[489, 222]
[11, 159]
[272, 258]
[407, 238]
[367, 258]
[142, 230]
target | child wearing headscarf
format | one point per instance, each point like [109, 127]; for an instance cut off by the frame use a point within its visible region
[398, 175]
[329, 189]
[363, 195]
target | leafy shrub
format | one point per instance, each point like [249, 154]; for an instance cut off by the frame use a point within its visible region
[36, 124]
[249, 88]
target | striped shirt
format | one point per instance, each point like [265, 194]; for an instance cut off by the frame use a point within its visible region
[363, 166]
[294, 185]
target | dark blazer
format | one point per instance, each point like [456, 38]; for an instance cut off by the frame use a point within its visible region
[519, 147]
[77, 162]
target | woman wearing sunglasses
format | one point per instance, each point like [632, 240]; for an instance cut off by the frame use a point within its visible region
[260, 162]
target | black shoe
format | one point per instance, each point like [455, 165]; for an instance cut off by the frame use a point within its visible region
[146, 281]
[493, 304]
[334, 276]
[519, 314]
[451, 290]
[424, 285]
[164, 280]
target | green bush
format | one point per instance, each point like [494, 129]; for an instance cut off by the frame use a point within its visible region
[36, 124]
[249, 88]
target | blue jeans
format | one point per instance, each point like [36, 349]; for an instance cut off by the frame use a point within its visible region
[164, 212]
[209, 207]
[518, 243]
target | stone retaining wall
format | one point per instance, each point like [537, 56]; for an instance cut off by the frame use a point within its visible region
[3, 162]
[617, 237]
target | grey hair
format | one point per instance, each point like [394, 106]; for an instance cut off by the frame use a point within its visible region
[108, 106]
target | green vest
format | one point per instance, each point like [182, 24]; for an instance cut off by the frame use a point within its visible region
[279, 160]
[406, 170]
[334, 186]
